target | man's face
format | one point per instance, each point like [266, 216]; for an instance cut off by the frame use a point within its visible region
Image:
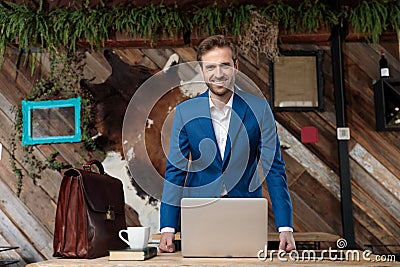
[219, 70]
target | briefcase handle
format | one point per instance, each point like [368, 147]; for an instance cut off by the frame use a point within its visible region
[88, 166]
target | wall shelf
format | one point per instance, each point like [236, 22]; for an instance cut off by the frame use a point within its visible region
[387, 104]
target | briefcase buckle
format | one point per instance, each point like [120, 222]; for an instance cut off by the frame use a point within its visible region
[110, 214]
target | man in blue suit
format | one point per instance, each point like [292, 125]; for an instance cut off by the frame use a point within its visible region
[217, 140]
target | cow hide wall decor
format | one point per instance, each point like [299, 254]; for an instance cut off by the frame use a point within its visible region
[111, 99]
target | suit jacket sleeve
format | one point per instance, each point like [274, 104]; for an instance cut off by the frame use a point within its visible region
[175, 174]
[274, 169]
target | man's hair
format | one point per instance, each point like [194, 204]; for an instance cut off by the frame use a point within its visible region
[216, 41]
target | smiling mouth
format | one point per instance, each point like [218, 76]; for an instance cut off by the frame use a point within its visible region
[219, 83]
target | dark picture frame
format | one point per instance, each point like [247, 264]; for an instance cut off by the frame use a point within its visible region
[296, 81]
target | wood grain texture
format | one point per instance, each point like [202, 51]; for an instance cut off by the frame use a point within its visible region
[10, 254]
[312, 170]
[175, 259]
[18, 224]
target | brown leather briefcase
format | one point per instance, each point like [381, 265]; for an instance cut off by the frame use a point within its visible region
[90, 213]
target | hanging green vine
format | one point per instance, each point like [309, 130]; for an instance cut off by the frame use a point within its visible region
[282, 14]
[313, 15]
[20, 23]
[394, 18]
[66, 70]
[32, 165]
[370, 18]
[29, 27]
[16, 135]
[222, 20]
[53, 164]
[308, 16]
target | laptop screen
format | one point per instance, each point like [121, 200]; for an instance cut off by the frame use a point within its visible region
[223, 227]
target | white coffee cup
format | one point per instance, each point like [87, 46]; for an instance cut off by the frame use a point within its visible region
[138, 237]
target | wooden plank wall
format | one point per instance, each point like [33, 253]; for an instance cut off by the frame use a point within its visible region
[312, 169]
[374, 156]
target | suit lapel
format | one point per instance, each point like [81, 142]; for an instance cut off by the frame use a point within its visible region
[205, 122]
[239, 108]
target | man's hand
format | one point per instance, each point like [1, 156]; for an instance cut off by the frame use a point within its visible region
[167, 242]
[286, 241]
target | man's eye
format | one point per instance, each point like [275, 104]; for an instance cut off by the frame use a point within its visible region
[212, 67]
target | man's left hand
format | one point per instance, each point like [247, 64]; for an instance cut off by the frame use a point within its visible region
[287, 242]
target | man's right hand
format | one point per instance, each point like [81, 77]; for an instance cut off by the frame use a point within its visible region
[167, 242]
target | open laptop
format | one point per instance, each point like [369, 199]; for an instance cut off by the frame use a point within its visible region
[223, 227]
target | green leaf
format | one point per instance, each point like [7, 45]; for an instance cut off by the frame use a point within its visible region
[370, 18]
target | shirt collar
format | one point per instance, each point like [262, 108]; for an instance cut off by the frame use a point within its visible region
[229, 104]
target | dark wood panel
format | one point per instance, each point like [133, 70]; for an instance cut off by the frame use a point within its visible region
[305, 218]
[364, 237]
[371, 216]
[320, 200]
[326, 148]
[293, 168]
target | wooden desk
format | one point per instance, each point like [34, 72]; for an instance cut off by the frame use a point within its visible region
[300, 237]
[176, 259]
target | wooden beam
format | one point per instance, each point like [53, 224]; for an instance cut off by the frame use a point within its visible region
[378, 171]
[341, 121]
[320, 37]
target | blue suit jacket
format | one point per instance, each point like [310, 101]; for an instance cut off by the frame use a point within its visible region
[196, 169]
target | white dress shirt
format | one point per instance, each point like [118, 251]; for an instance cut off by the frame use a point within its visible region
[220, 121]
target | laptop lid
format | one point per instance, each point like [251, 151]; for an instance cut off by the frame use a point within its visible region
[223, 227]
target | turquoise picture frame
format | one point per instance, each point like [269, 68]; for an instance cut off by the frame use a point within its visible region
[28, 107]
